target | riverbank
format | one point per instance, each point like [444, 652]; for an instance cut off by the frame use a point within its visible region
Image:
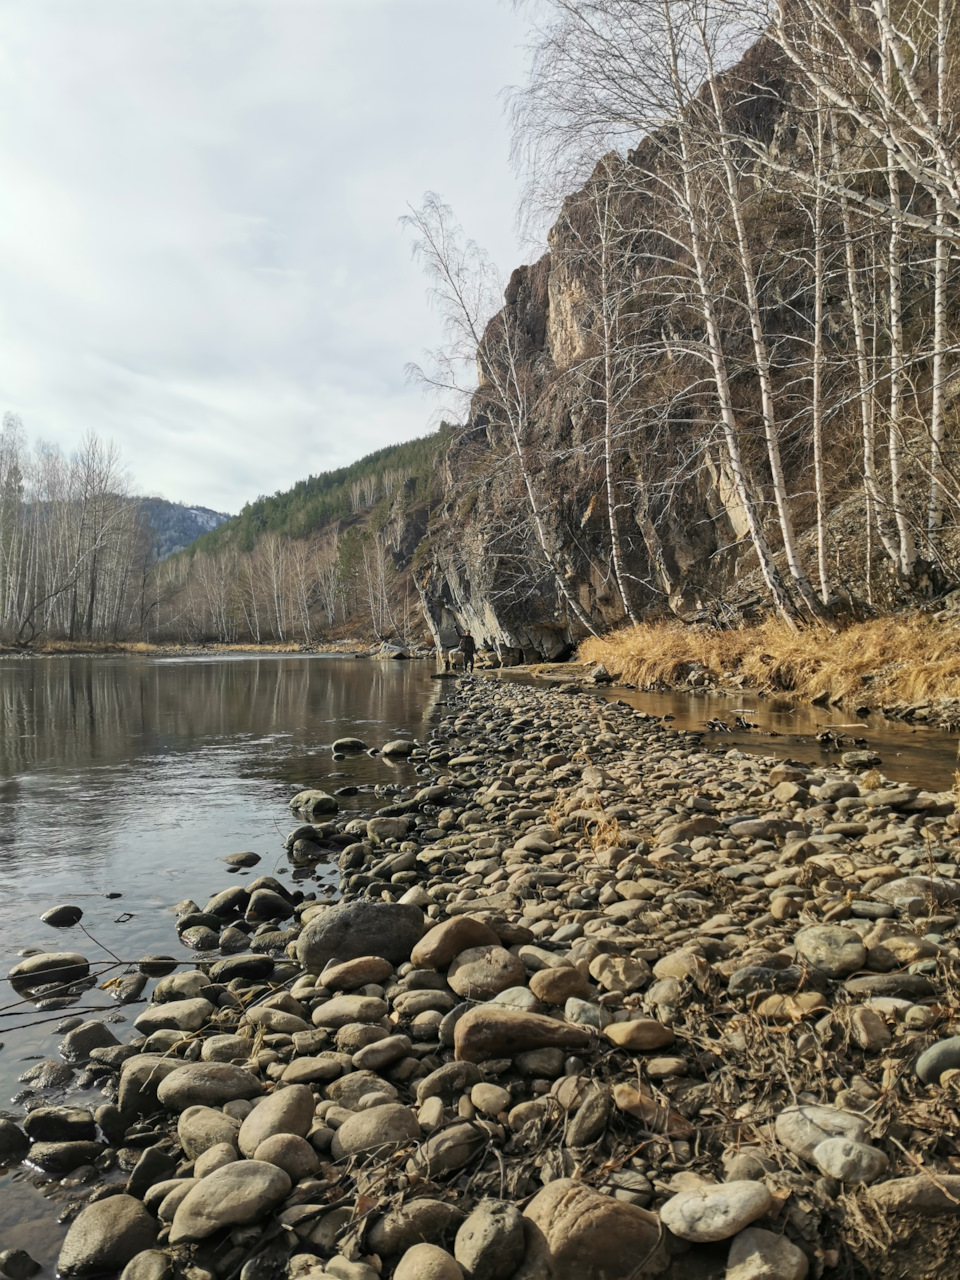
[605, 1003]
[362, 646]
[906, 667]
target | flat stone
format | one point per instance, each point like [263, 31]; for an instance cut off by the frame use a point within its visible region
[248, 965]
[323, 1067]
[920, 1194]
[176, 1015]
[680, 965]
[207, 1084]
[62, 917]
[60, 1124]
[106, 1235]
[382, 1053]
[277, 1021]
[790, 1008]
[382, 1128]
[849, 1161]
[245, 859]
[413, 1223]
[357, 973]
[641, 1034]
[343, 1010]
[48, 967]
[836, 952]
[499, 1032]
[237, 1193]
[756, 1254]
[439, 945]
[574, 1232]
[715, 1211]
[906, 986]
[482, 972]
[59, 1158]
[362, 928]
[933, 889]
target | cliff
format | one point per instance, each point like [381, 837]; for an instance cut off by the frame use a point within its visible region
[614, 458]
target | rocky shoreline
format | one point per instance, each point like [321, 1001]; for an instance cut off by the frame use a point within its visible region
[594, 1002]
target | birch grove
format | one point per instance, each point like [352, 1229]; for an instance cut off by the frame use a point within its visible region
[74, 554]
[789, 221]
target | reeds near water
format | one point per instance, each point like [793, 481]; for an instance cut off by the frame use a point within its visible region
[876, 663]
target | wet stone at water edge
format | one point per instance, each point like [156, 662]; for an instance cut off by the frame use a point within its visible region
[593, 1001]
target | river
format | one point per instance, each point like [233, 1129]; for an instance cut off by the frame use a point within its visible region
[124, 780]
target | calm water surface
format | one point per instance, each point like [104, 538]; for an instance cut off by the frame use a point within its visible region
[132, 777]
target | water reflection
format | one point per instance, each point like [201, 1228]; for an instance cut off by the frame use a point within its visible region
[123, 781]
[83, 712]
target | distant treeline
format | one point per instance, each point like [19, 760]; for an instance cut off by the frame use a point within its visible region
[82, 557]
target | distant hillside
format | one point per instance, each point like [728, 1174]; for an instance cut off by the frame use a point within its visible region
[330, 558]
[175, 526]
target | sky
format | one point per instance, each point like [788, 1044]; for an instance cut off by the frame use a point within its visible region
[200, 250]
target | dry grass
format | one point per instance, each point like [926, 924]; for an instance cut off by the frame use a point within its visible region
[873, 663]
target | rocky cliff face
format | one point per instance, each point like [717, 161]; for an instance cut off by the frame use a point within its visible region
[681, 527]
[594, 482]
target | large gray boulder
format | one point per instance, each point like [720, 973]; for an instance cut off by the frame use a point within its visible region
[361, 928]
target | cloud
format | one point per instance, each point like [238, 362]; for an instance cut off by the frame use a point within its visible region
[200, 254]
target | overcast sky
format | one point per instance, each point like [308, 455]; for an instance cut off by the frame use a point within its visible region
[200, 255]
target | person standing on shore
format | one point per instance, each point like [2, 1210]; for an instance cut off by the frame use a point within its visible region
[468, 648]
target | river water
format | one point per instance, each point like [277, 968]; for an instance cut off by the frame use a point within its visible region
[124, 780]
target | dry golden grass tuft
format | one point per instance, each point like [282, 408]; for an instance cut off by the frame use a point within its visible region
[871, 663]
